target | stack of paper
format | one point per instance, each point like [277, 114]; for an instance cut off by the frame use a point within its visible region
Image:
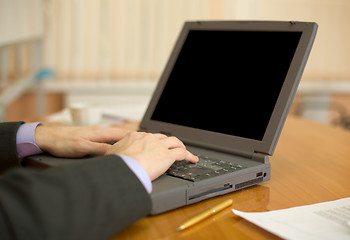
[328, 220]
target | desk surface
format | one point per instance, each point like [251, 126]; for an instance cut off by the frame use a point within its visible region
[311, 164]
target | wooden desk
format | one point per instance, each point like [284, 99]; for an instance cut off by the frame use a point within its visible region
[311, 164]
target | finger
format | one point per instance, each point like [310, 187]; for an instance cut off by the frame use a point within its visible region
[173, 142]
[160, 135]
[179, 154]
[191, 157]
[97, 148]
[104, 135]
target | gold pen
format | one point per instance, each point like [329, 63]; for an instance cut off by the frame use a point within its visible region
[205, 214]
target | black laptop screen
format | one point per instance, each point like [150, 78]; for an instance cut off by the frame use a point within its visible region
[227, 81]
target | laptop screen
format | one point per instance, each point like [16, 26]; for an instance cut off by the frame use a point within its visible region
[227, 81]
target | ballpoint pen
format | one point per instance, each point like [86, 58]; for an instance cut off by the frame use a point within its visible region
[215, 209]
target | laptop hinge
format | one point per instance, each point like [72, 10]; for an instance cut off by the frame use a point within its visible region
[260, 157]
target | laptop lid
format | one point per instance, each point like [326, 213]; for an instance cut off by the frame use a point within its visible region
[228, 85]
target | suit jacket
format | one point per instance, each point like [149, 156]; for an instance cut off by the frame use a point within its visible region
[90, 200]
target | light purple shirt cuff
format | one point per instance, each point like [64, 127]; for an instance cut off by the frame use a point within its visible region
[139, 171]
[26, 141]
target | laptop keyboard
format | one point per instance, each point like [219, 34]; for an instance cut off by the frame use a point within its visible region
[205, 168]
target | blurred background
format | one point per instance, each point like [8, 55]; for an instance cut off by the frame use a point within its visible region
[110, 53]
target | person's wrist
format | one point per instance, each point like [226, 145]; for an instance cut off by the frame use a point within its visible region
[139, 171]
[40, 137]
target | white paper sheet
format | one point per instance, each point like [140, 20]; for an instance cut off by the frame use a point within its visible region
[328, 220]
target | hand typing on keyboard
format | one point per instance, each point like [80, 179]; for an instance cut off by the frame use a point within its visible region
[154, 152]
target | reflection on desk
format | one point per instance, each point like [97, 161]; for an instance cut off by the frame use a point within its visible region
[311, 164]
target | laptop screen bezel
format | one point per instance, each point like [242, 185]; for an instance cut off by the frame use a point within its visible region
[224, 142]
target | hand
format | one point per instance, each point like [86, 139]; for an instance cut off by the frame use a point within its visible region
[155, 152]
[68, 141]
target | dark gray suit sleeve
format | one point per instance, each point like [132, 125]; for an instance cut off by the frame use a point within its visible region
[8, 148]
[93, 199]
[90, 200]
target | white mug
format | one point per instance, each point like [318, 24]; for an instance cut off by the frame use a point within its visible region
[84, 115]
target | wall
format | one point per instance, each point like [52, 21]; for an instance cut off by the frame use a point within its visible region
[119, 40]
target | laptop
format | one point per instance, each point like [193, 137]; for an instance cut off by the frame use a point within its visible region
[225, 92]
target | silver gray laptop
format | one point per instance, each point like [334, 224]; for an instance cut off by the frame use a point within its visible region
[225, 92]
